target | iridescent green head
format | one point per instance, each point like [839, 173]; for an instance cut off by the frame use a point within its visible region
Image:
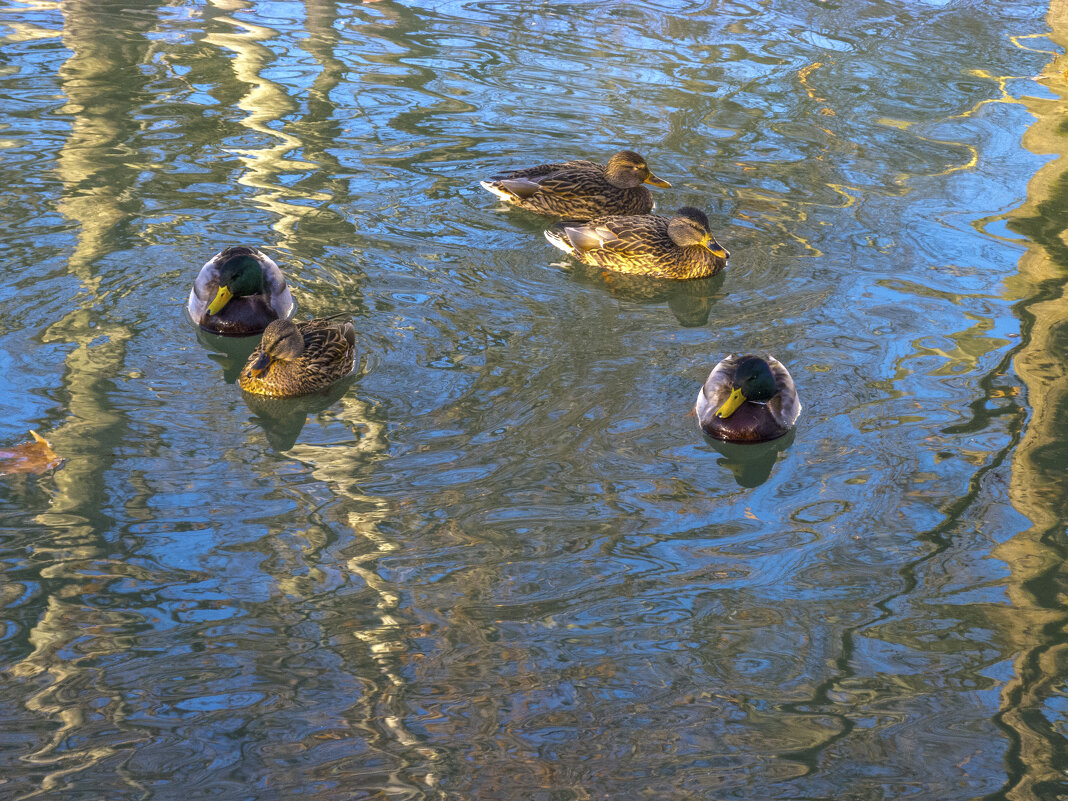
[753, 381]
[239, 274]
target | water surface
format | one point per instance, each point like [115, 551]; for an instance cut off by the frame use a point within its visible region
[503, 562]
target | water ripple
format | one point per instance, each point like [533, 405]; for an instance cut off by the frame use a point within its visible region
[502, 561]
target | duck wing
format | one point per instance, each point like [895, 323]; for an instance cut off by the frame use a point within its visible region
[278, 295]
[573, 179]
[576, 238]
[329, 348]
[593, 236]
[542, 170]
[632, 235]
[785, 406]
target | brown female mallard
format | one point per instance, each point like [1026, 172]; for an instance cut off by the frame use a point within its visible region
[580, 190]
[748, 399]
[647, 244]
[300, 358]
[238, 292]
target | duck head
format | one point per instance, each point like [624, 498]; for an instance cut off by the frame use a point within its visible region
[240, 273]
[282, 342]
[753, 381]
[690, 227]
[626, 170]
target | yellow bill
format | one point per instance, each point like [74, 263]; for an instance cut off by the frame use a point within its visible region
[652, 179]
[731, 405]
[220, 301]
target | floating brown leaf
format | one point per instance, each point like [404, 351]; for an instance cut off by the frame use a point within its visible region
[36, 456]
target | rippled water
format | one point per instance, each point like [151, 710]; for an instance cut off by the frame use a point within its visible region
[504, 563]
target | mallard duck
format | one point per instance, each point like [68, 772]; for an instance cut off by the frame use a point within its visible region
[300, 358]
[678, 247]
[238, 292]
[748, 399]
[580, 190]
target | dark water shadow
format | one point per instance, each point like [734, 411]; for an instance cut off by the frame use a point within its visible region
[282, 419]
[751, 464]
[690, 301]
[230, 353]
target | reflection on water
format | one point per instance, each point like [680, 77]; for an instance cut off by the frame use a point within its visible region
[283, 418]
[751, 464]
[690, 302]
[230, 353]
[506, 544]
[1031, 701]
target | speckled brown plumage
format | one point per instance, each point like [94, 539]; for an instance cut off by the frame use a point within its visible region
[300, 358]
[679, 247]
[580, 190]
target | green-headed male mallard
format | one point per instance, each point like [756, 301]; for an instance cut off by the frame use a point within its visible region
[748, 399]
[678, 247]
[300, 358]
[238, 292]
[580, 190]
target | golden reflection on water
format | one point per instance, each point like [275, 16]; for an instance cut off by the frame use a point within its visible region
[73, 630]
[388, 640]
[265, 102]
[94, 184]
[1032, 558]
[28, 32]
[93, 187]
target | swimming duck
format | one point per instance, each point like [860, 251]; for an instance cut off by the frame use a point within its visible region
[748, 399]
[678, 247]
[238, 292]
[580, 190]
[300, 358]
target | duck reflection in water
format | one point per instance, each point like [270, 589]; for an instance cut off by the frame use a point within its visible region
[230, 353]
[750, 463]
[282, 419]
[690, 301]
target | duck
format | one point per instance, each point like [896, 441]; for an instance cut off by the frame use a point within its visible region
[296, 359]
[748, 398]
[677, 247]
[238, 293]
[580, 190]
